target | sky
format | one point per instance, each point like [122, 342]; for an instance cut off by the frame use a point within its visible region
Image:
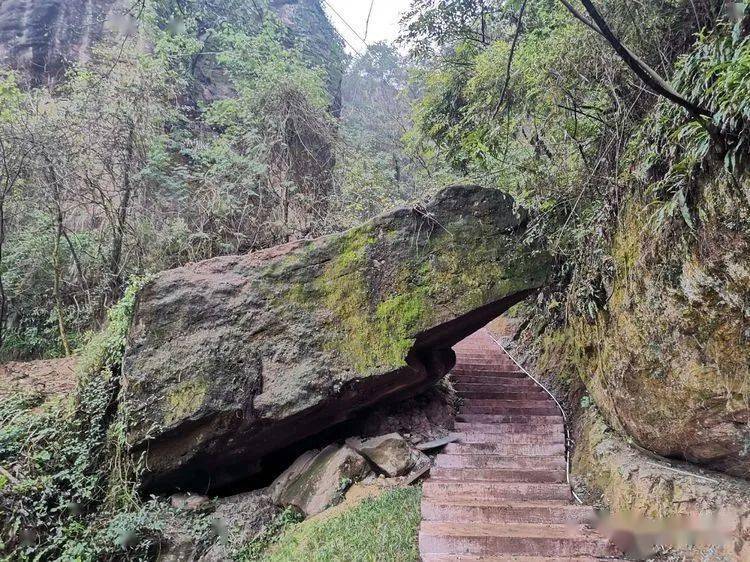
[383, 21]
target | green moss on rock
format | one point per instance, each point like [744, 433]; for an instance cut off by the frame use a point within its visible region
[184, 400]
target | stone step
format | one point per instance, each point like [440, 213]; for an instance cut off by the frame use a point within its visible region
[474, 380]
[499, 408]
[500, 493]
[508, 558]
[441, 489]
[510, 418]
[502, 449]
[499, 393]
[474, 359]
[505, 428]
[511, 438]
[508, 383]
[507, 512]
[517, 539]
[469, 369]
[448, 460]
[484, 358]
[499, 475]
[481, 350]
[531, 402]
[467, 360]
[534, 401]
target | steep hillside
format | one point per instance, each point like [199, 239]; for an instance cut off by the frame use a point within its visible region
[190, 129]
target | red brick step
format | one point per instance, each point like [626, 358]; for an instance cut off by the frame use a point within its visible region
[509, 558]
[475, 436]
[500, 492]
[496, 394]
[509, 418]
[496, 461]
[517, 539]
[502, 428]
[498, 475]
[507, 383]
[495, 490]
[507, 512]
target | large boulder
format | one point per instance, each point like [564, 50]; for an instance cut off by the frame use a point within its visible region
[237, 357]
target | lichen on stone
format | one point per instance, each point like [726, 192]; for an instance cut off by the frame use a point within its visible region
[184, 399]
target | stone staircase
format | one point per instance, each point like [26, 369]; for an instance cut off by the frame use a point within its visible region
[500, 492]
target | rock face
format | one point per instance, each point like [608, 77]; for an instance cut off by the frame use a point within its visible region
[236, 357]
[318, 480]
[628, 481]
[41, 37]
[669, 362]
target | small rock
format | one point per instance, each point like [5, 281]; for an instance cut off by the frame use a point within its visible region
[390, 453]
[318, 480]
[419, 471]
[437, 443]
[190, 502]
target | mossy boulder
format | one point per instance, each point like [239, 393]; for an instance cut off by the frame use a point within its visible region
[234, 358]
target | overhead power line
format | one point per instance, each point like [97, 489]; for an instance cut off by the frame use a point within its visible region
[346, 23]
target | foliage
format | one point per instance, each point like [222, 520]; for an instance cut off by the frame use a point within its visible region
[551, 125]
[275, 134]
[64, 459]
[218, 140]
[682, 152]
[431, 24]
[380, 528]
[377, 167]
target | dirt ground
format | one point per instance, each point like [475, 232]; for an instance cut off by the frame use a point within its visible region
[52, 377]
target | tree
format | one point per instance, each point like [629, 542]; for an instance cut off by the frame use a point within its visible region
[649, 76]
[14, 155]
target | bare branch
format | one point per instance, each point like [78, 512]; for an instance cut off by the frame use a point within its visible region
[649, 76]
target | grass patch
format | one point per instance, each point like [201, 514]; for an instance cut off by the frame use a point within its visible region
[382, 528]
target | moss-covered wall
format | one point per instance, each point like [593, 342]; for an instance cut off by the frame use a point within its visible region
[667, 360]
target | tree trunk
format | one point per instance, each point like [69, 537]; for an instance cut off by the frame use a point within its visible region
[57, 269]
[118, 234]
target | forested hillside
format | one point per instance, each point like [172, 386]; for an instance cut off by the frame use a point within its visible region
[185, 190]
[209, 130]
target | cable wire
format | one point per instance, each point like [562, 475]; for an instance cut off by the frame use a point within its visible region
[346, 23]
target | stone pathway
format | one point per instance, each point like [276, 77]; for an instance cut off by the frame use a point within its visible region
[500, 492]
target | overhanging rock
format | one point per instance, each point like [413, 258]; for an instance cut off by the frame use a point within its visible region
[234, 358]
